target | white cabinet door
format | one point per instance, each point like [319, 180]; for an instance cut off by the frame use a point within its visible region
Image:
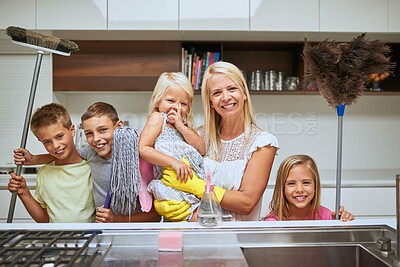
[19, 13]
[354, 16]
[284, 15]
[143, 15]
[20, 214]
[363, 202]
[71, 15]
[16, 73]
[214, 15]
[394, 17]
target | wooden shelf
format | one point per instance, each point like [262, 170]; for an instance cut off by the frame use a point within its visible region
[136, 65]
[115, 65]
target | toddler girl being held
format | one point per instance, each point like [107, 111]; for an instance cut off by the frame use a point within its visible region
[168, 137]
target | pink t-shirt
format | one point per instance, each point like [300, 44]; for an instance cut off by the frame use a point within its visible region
[322, 214]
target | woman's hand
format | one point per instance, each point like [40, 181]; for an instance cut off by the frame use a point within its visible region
[172, 210]
[195, 186]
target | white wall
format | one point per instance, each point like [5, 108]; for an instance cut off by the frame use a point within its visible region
[305, 124]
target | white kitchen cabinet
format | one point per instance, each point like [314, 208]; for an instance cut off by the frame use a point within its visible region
[354, 16]
[19, 13]
[394, 18]
[214, 15]
[143, 15]
[363, 202]
[16, 71]
[284, 15]
[20, 213]
[71, 15]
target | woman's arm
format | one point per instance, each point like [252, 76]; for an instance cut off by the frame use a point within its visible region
[254, 182]
[242, 201]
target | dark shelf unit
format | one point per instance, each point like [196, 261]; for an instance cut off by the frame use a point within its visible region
[136, 65]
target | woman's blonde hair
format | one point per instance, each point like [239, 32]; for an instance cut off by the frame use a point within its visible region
[166, 80]
[212, 120]
[279, 204]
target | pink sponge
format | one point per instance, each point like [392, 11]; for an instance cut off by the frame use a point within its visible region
[170, 241]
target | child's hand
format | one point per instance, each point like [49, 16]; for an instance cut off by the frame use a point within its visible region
[182, 170]
[344, 215]
[22, 156]
[104, 215]
[174, 117]
[17, 183]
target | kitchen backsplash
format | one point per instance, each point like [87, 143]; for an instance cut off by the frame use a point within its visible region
[302, 124]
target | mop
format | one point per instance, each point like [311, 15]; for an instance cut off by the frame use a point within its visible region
[341, 71]
[42, 43]
[125, 173]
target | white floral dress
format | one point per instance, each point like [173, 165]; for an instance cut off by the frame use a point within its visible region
[227, 171]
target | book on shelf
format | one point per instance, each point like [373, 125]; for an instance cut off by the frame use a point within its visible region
[194, 63]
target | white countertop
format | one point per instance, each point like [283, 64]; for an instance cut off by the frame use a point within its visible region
[391, 222]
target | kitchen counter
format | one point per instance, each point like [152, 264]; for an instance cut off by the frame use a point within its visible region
[235, 243]
[391, 222]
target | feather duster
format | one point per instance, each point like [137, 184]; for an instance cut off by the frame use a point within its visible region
[341, 70]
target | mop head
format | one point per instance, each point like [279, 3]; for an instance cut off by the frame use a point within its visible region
[125, 172]
[37, 39]
[341, 70]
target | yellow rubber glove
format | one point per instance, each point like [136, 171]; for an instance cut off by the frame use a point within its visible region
[172, 210]
[195, 186]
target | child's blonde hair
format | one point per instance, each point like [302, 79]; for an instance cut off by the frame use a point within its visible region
[48, 115]
[166, 80]
[279, 204]
[212, 120]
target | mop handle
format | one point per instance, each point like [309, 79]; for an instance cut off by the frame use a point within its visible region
[107, 202]
[25, 130]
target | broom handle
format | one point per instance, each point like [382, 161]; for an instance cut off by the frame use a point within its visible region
[340, 111]
[25, 130]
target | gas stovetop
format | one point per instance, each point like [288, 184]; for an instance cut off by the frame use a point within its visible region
[50, 248]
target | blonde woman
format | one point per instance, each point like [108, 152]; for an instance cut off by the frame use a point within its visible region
[238, 153]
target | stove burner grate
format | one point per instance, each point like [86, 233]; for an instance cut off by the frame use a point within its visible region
[48, 248]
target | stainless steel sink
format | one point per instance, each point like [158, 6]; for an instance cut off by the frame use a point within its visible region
[260, 246]
[328, 256]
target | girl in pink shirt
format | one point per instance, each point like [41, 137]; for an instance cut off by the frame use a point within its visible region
[297, 193]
